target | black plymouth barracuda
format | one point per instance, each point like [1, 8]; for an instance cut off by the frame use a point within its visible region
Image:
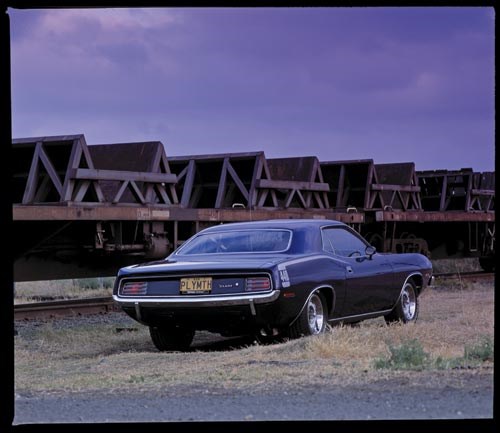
[272, 279]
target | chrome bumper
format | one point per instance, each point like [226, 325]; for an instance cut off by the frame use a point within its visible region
[199, 301]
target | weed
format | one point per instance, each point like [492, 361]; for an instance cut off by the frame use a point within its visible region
[136, 379]
[408, 356]
[411, 356]
[449, 363]
[481, 351]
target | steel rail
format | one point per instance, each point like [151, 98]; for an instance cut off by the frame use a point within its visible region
[68, 307]
[470, 276]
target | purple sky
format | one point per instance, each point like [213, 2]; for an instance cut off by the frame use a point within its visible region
[390, 84]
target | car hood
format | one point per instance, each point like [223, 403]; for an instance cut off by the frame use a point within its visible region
[209, 263]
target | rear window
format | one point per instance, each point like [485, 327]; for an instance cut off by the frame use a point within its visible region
[238, 241]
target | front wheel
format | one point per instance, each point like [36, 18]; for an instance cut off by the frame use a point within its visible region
[407, 307]
[312, 319]
[171, 338]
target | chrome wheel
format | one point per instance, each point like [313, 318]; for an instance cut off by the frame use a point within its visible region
[315, 315]
[312, 318]
[408, 302]
[406, 308]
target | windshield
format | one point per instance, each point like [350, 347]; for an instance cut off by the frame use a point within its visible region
[241, 241]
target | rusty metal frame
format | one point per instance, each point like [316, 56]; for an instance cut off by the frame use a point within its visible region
[155, 183]
[342, 190]
[80, 174]
[311, 191]
[446, 186]
[407, 193]
[154, 186]
[127, 212]
[434, 216]
[482, 196]
[188, 168]
[38, 185]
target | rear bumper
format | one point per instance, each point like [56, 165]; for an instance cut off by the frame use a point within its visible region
[235, 314]
[230, 314]
[199, 301]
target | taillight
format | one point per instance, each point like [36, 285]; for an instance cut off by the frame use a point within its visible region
[132, 288]
[257, 283]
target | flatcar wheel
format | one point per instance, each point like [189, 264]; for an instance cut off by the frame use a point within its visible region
[171, 338]
[407, 307]
[487, 263]
[312, 319]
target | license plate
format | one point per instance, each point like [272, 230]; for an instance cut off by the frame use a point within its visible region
[196, 285]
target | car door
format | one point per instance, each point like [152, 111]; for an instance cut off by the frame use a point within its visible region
[369, 279]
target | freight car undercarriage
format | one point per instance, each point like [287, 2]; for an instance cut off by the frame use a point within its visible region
[82, 249]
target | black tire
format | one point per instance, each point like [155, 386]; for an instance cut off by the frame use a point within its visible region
[312, 319]
[269, 339]
[407, 308]
[171, 338]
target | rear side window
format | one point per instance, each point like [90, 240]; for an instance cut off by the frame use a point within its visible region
[342, 242]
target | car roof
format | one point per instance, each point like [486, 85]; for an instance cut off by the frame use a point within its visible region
[276, 224]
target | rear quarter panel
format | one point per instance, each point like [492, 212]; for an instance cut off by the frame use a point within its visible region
[308, 273]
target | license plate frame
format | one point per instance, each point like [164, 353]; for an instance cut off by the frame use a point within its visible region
[195, 285]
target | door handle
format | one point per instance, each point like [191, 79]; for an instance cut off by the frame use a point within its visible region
[349, 270]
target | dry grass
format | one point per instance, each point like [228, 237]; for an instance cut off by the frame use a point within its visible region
[96, 357]
[470, 264]
[32, 291]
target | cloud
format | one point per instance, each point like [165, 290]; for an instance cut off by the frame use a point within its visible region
[290, 78]
[75, 38]
[64, 22]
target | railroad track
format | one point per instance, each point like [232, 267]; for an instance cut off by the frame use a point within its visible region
[468, 276]
[68, 307]
[103, 305]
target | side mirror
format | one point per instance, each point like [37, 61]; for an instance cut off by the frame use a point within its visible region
[370, 251]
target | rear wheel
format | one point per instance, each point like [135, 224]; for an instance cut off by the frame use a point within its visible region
[407, 307]
[312, 319]
[171, 338]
